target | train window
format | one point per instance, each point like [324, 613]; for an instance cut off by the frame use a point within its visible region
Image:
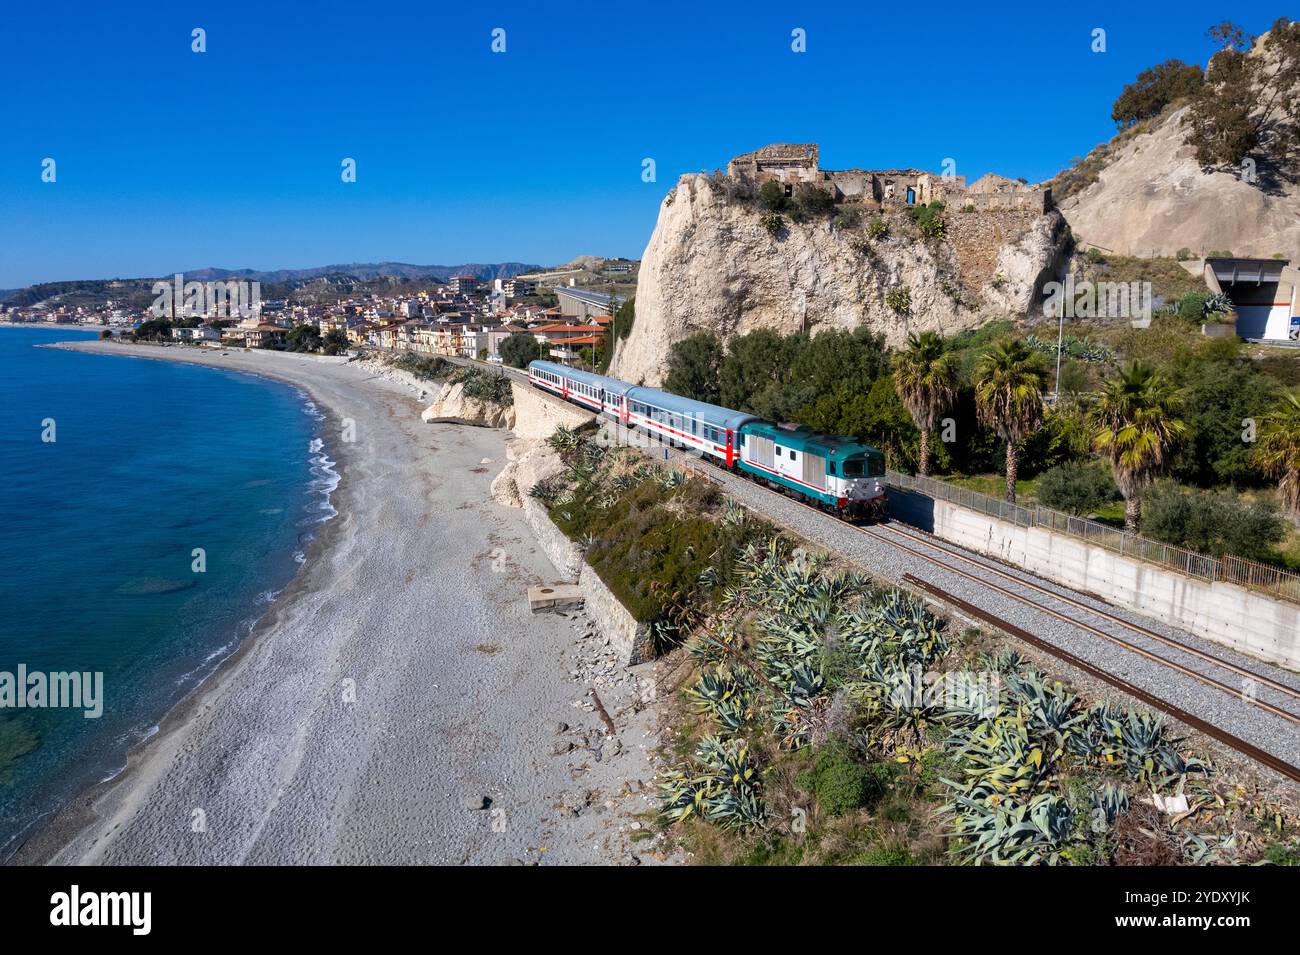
[876, 466]
[830, 468]
[793, 456]
[853, 468]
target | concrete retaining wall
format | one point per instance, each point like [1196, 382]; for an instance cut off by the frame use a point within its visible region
[1232, 615]
[537, 414]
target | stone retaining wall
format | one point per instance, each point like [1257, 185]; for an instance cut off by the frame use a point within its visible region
[627, 638]
[537, 415]
[562, 552]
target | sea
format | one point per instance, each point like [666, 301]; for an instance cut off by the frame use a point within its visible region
[151, 513]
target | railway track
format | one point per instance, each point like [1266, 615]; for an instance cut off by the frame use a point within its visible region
[1204, 668]
[1111, 619]
[1261, 756]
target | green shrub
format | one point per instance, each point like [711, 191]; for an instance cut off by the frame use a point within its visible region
[1214, 523]
[1183, 255]
[519, 349]
[846, 219]
[928, 219]
[1078, 487]
[843, 784]
[772, 197]
[899, 299]
[1191, 307]
[773, 222]
[1280, 854]
[488, 386]
[880, 856]
[429, 367]
[813, 202]
[877, 228]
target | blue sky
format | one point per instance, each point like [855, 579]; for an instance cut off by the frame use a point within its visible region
[170, 160]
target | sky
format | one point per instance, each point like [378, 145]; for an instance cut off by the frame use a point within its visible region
[166, 159]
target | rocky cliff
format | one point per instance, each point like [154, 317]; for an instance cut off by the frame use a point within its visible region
[711, 265]
[1152, 198]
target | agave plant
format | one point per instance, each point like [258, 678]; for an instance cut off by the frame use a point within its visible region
[547, 490]
[1054, 713]
[898, 626]
[709, 577]
[1149, 754]
[896, 700]
[799, 708]
[735, 514]
[563, 440]
[1001, 759]
[1107, 804]
[1211, 849]
[1003, 661]
[1217, 304]
[726, 694]
[723, 791]
[1033, 831]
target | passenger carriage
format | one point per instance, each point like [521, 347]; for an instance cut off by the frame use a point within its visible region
[598, 393]
[710, 429]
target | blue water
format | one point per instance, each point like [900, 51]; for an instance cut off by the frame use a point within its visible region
[97, 531]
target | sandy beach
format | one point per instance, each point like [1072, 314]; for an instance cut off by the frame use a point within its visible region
[398, 703]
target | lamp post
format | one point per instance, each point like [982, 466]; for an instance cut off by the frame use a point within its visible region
[1060, 341]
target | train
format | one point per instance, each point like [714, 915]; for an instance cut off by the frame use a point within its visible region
[837, 474]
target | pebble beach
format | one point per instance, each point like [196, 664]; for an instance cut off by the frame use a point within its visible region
[398, 704]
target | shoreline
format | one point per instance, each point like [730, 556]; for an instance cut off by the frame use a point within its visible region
[119, 819]
[47, 835]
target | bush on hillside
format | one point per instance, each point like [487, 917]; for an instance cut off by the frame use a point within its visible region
[1079, 487]
[1154, 89]
[843, 784]
[1215, 523]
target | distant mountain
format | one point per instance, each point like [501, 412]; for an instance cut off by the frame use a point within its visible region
[369, 271]
[324, 284]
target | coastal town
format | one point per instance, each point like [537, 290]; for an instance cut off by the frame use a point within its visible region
[466, 317]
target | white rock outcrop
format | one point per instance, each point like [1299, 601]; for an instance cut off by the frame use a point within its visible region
[1153, 198]
[712, 266]
[453, 406]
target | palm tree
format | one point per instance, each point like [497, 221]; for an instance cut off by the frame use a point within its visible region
[1278, 451]
[1009, 382]
[1135, 424]
[926, 380]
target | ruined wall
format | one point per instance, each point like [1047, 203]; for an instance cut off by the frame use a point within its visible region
[631, 641]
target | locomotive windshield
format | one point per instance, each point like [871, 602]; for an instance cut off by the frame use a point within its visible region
[870, 466]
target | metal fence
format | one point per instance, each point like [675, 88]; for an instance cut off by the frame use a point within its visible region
[1234, 570]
